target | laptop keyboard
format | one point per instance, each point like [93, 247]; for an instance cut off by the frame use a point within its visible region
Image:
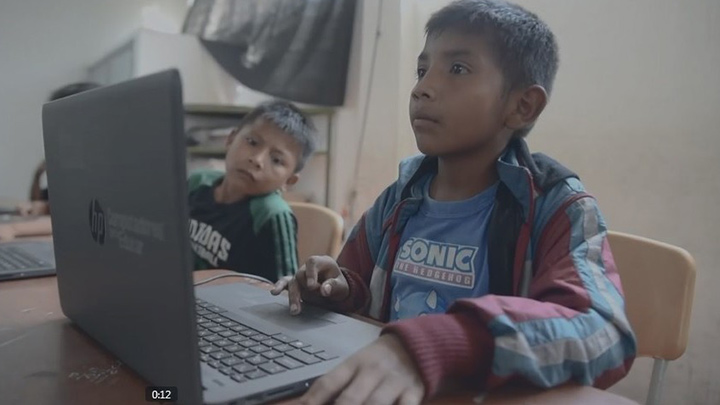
[12, 258]
[244, 353]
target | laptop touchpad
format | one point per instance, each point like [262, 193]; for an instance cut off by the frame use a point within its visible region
[279, 314]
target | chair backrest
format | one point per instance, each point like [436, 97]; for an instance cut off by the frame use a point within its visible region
[659, 284]
[320, 230]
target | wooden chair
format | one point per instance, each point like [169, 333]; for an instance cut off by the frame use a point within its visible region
[659, 284]
[320, 230]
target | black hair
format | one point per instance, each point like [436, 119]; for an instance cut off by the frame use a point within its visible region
[523, 46]
[72, 89]
[290, 120]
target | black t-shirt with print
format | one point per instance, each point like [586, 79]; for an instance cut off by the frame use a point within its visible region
[257, 235]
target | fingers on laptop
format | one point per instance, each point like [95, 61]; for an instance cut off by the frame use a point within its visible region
[298, 290]
[323, 274]
[290, 283]
[319, 279]
[281, 285]
[294, 296]
[318, 269]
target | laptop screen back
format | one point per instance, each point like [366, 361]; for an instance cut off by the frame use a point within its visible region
[116, 166]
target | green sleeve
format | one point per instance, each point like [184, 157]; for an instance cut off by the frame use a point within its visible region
[277, 244]
[275, 227]
[203, 178]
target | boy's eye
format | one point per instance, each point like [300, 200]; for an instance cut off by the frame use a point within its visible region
[420, 72]
[251, 141]
[278, 161]
[458, 69]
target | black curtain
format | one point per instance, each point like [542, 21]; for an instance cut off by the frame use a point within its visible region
[292, 49]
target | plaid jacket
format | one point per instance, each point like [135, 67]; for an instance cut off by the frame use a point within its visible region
[555, 311]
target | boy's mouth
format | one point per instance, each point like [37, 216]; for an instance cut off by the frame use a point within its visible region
[421, 116]
[246, 173]
[423, 124]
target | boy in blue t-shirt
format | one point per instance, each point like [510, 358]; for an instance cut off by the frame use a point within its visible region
[490, 263]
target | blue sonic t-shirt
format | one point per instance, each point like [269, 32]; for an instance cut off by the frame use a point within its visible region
[442, 255]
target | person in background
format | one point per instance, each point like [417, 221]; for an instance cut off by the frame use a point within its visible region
[37, 209]
[39, 198]
[238, 218]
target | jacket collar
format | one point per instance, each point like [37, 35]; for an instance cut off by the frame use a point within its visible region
[525, 175]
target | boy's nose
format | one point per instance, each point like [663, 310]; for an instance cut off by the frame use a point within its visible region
[423, 89]
[256, 161]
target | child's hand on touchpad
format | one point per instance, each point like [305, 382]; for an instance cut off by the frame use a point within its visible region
[318, 281]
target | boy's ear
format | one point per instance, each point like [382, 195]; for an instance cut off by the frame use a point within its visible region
[526, 106]
[293, 179]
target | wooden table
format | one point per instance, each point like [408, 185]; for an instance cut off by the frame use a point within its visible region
[45, 359]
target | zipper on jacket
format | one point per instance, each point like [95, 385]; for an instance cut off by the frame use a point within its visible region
[521, 249]
[390, 225]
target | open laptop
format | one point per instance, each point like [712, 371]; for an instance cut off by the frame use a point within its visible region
[24, 259]
[116, 162]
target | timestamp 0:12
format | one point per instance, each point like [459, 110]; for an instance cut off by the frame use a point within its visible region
[161, 394]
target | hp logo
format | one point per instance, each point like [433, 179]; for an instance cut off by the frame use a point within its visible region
[97, 221]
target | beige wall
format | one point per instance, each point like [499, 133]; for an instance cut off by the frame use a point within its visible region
[635, 114]
[377, 150]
